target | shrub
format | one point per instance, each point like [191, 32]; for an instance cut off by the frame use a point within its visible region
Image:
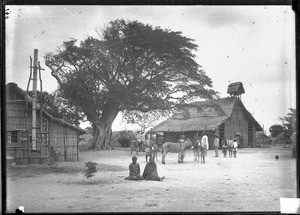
[53, 156]
[91, 169]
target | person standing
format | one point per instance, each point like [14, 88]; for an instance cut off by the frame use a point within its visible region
[235, 146]
[134, 170]
[216, 146]
[204, 147]
[224, 147]
[139, 140]
[230, 146]
[143, 139]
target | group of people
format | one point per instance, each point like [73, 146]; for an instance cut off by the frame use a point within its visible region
[230, 145]
[150, 171]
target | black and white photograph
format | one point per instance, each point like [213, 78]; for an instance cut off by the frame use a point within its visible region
[150, 108]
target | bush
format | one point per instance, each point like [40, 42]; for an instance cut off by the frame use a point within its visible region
[53, 156]
[91, 169]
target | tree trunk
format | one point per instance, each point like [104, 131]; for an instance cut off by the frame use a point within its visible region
[102, 128]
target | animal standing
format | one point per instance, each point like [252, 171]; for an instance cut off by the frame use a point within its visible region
[196, 148]
[179, 148]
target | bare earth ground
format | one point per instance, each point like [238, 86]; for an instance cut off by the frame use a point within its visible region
[254, 181]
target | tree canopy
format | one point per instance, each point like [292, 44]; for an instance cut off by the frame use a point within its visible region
[131, 66]
[288, 124]
[59, 107]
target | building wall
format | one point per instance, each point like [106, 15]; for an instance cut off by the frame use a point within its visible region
[64, 139]
[174, 136]
[237, 123]
[17, 124]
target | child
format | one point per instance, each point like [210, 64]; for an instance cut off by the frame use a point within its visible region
[134, 170]
[224, 148]
[230, 146]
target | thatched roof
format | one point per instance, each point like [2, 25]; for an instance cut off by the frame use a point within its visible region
[236, 88]
[207, 119]
[14, 87]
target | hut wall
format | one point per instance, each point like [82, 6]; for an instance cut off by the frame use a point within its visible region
[174, 136]
[237, 124]
[19, 124]
[64, 140]
[171, 136]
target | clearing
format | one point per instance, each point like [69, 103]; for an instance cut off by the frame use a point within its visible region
[254, 181]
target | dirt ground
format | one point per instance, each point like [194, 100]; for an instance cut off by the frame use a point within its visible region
[254, 181]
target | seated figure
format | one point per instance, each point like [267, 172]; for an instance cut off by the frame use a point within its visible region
[150, 171]
[134, 170]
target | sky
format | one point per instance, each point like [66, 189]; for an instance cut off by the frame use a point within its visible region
[251, 44]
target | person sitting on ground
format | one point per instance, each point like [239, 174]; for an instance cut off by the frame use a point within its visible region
[150, 171]
[134, 170]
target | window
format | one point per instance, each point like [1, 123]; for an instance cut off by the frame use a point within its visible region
[14, 136]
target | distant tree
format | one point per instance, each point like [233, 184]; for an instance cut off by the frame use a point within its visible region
[289, 122]
[59, 107]
[276, 129]
[144, 120]
[131, 66]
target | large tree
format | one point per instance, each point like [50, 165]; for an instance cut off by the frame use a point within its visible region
[131, 66]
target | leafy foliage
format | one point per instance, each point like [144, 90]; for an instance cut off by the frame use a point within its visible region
[145, 120]
[53, 156]
[276, 129]
[91, 169]
[59, 107]
[131, 66]
[289, 122]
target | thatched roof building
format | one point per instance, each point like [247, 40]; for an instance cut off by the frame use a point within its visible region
[61, 135]
[225, 117]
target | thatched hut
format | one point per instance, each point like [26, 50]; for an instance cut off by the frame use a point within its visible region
[61, 135]
[227, 117]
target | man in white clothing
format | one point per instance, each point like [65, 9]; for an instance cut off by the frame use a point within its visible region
[204, 147]
[235, 146]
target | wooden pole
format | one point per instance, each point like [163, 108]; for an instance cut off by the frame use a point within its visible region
[34, 97]
[77, 146]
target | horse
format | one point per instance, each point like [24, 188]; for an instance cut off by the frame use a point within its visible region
[179, 148]
[196, 149]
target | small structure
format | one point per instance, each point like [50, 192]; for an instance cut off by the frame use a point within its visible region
[225, 117]
[61, 135]
[236, 89]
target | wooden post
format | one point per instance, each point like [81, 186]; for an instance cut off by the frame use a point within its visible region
[65, 151]
[77, 146]
[34, 96]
